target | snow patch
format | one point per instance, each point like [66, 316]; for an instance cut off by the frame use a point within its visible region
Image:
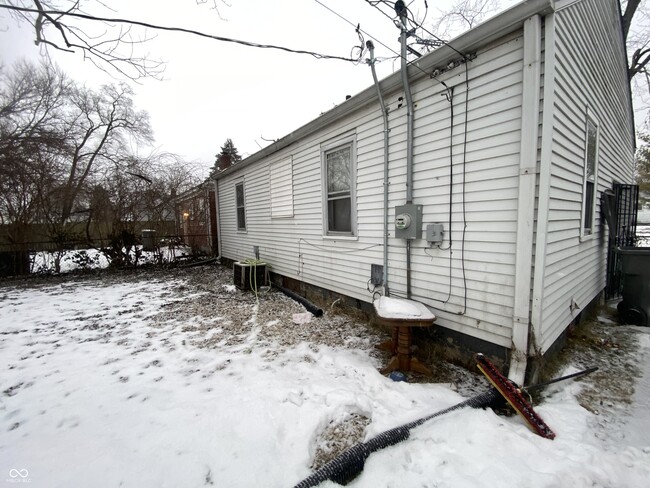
[398, 308]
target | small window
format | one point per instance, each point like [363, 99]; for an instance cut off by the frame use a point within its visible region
[590, 177]
[241, 206]
[339, 183]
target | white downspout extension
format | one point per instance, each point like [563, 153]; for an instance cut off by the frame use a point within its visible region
[526, 197]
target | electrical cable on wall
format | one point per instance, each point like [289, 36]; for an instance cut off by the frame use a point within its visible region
[301, 263]
[450, 98]
[462, 247]
[398, 7]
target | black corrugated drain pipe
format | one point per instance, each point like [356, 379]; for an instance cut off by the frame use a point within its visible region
[315, 311]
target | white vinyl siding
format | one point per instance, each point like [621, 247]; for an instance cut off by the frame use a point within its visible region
[281, 182]
[590, 71]
[482, 276]
[471, 286]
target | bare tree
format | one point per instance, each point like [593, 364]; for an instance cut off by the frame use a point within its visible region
[69, 157]
[68, 26]
[31, 103]
[636, 31]
[138, 191]
[463, 15]
[98, 130]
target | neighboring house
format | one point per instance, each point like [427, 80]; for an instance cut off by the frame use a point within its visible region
[196, 218]
[516, 185]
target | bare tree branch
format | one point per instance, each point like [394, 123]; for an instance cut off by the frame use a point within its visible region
[108, 50]
[463, 15]
[630, 9]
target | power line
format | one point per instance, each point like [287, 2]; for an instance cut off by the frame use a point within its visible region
[413, 22]
[357, 27]
[436, 37]
[171, 29]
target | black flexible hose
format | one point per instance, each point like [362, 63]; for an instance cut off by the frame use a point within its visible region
[350, 463]
[317, 312]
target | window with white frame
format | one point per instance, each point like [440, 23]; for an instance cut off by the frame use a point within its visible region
[339, 170]
[590, 177]
[240, 203]
[281, 180]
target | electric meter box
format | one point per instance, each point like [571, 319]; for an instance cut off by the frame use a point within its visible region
[408, 221]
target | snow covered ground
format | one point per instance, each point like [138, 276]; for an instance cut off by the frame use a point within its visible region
[151, 380]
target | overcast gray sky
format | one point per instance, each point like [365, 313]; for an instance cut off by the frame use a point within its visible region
[214, 90]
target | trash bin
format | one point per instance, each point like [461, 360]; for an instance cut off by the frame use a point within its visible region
[148, 240]
[635, 275]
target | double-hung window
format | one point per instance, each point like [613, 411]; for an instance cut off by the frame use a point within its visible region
[240, 203]
[590, 177]
[339, 170]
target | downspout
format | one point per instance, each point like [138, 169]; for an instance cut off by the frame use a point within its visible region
[384, 113]
[526, 198]
[546, 157]
[217, 219]
[402, 12]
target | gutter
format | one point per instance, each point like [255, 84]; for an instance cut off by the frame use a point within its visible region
[532, 74]
[503, 24]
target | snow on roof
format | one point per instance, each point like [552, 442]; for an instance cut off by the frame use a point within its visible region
[399, 308]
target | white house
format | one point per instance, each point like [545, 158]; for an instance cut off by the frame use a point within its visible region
[513, 142]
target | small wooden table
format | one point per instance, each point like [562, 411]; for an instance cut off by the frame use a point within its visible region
[402, 315]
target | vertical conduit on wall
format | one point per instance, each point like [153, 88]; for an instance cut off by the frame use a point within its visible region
[402, 12]
[384, 113]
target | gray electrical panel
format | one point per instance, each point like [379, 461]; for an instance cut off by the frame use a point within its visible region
[435, 233]
[408, 221]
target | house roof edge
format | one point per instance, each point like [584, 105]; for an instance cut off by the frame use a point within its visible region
[503, 24]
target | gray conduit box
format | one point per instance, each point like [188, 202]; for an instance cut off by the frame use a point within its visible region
[434, 233]
[408, 221]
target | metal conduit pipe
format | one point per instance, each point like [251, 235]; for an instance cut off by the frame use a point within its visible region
[409, 111]
[384, 113]
[402, 11]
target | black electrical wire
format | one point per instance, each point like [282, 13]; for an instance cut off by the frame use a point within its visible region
[357, 27]
[430, 75]
[450, 99]
[171, 29]
[417, 25]
[462, 248]
[420, 26]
